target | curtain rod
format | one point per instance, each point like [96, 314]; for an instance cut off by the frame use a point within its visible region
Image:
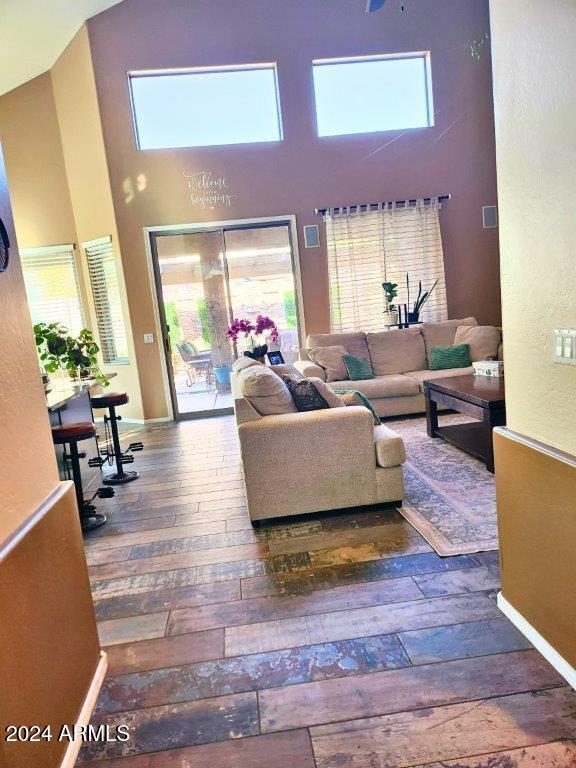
[376, 206]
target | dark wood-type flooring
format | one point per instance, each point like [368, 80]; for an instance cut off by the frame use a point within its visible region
[336, 641]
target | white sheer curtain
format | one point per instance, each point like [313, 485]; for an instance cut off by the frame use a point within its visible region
[366, 249]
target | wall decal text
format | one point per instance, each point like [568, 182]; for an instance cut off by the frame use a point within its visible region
[206, 190]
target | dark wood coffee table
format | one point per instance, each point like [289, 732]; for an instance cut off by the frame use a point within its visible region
[477, 396]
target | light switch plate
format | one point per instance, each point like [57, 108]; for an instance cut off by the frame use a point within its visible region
[148, 338]
[565, 346]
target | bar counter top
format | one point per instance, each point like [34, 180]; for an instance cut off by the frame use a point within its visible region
[63, 390]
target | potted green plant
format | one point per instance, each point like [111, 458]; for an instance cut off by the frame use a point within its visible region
[59, 351]
[414, 314]
[391, 312]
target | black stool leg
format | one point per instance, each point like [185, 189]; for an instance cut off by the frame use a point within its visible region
[89, 518]
[76, 475]
[120, 476]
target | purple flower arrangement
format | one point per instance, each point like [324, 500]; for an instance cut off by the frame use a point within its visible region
[263, 326]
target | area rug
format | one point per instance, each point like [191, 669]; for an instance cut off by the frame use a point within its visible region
[450, 496]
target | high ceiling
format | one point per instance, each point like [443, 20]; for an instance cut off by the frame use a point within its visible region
[33, 33]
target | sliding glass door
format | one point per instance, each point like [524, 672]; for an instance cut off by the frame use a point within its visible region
[261, 280]
[205, 279]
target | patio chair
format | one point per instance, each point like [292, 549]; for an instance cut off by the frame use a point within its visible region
[198, 364]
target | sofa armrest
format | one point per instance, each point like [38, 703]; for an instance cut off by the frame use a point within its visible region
[307, 368]
[304, 462]
[245, 411]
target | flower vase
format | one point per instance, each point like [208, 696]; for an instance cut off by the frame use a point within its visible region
[258, 353]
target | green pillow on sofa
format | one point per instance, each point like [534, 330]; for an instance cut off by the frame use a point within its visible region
[457, 356]
[353, 397]
[358, 369]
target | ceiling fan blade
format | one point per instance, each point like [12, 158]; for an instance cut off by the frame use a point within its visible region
[374, 5]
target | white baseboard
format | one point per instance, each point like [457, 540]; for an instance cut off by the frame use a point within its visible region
[69, 759]
[540, 643]
[161, 420]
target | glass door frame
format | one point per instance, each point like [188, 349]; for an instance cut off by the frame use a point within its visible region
[152, 233]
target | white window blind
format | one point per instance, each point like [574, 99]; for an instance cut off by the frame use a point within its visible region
[366, 249]
[52, 287]
[103, 273]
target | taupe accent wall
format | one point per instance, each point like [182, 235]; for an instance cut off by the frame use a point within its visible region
[302, 172]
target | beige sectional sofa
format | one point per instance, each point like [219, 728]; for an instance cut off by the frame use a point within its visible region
[399, 360]
[299, 462]
[312, 461]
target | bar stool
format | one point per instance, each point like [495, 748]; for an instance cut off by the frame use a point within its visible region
[113, 450]
[70, 435]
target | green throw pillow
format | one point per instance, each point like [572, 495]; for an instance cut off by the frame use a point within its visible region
[358, 369]
[457, 356]
[352, 396]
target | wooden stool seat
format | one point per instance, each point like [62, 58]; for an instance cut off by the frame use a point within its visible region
[109, 399]
[67, 433]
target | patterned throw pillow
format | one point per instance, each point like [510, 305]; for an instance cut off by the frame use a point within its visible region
[358, 369]
[305, 395]
[353, 397]
[457, 356]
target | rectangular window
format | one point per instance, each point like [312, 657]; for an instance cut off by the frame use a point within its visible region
[206, 107]
[376, 93]
[52, 288]
[103, 272]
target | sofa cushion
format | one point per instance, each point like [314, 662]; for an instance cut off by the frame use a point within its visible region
[306, 395]
[326, 393]
[419, 377]
[265, 391]
[243, 362]
[286, 369]
[331, 359]
[358, 369]
[353, 397]
[382, 386]
[456, 356]
[353, 343]
[483, 341]
[441, 334]
[390, 450]
[396, 351]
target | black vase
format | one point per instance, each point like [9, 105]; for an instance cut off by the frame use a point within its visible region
[258, 353]
[413, 318]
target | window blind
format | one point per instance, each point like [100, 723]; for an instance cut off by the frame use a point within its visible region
[103, 273]
[52, 288]
[366, 249]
